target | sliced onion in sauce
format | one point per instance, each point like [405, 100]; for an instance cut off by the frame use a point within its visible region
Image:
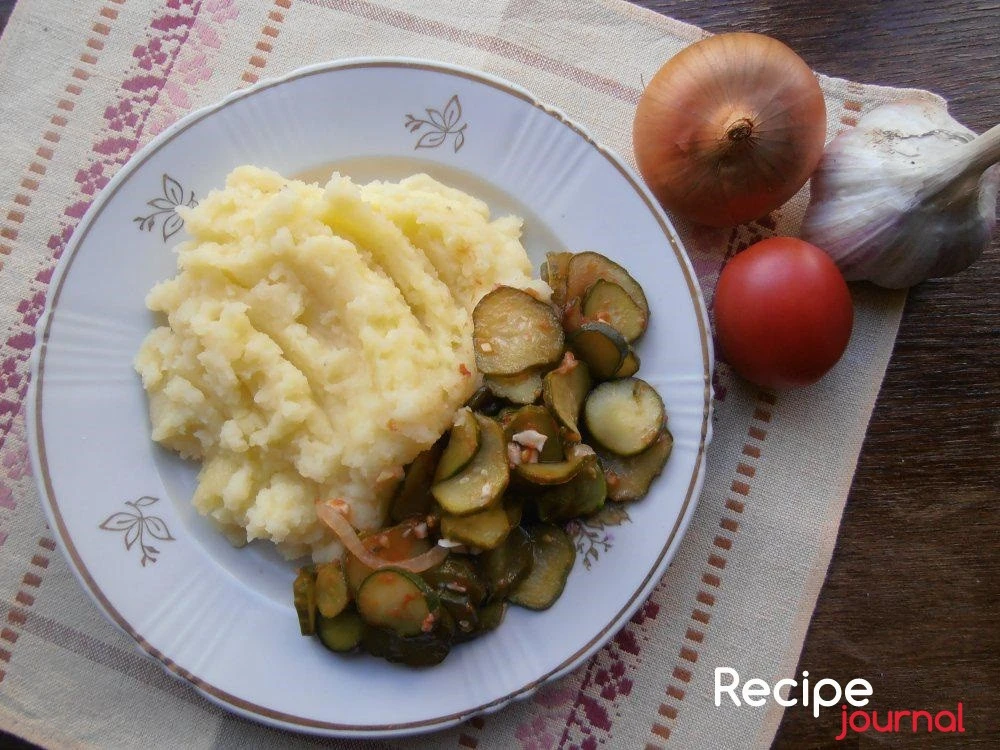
[332, 517]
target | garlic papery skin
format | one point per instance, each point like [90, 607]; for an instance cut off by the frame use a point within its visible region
[906, 195]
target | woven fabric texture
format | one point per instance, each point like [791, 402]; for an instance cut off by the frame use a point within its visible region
[85, 83]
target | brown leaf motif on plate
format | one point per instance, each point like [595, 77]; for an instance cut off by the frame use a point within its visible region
[592, 535]
[139, 528]
[174, 195]
[439, 126]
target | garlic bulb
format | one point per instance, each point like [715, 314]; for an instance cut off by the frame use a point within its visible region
[906, 195]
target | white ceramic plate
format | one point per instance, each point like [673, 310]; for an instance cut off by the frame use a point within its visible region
[221, 618]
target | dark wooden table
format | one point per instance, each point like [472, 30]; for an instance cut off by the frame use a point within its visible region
[911, 600]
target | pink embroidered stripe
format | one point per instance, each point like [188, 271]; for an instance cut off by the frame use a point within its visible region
[124, 121]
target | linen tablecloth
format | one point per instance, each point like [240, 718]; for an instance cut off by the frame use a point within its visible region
[85, 83]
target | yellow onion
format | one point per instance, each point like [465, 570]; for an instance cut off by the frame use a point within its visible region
[729, 129]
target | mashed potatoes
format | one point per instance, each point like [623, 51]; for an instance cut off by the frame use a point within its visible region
[317, 340]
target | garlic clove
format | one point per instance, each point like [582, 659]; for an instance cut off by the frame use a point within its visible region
[908, 194]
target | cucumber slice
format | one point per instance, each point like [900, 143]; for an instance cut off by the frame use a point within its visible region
[572, 315]
[424, 650]
[459, 574]
[537, 419]
[481, 483]
[508, 564]
[587, 267]
[486, 529]
[602, 347]
[558, 472]
[630, 365]
[629, 478]
[625, 416]
[463, 442]
[397, 600]
[491, 615]
[553, 554]
[513, 332]
[356, 572]
[506, 415]
[564, 390]
[484, 402]
[521, 388]
[582, 495]
[341, 633]
[555, 273]
[607, 301]
[332, 594]
[462, 612]
[413, 499]
[445, 627]
[400, 542]
[304, 597]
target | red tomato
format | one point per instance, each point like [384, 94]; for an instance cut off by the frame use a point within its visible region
[783, 313]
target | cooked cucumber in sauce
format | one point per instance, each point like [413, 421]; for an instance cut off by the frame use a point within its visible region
[559, 427]
[629, 365]
[505, 566]
[332, 593]
[624, 416]
[513, 332]
[534, 431]
[601, 346]
[586, 269]
[481, 483]
[397, 600]
[607, 301]
[340, 633]
[484, 530]
[564, 390]
[463, 442]
[552, 555]
[582, 495]
[629, 477]
[522, 388]
[414, 495]
[304, 596]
